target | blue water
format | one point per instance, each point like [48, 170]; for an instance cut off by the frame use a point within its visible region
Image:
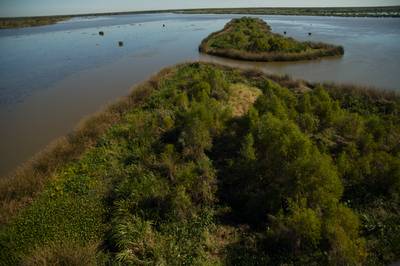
[34, 58]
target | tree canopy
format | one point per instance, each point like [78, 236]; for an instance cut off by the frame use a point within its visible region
[250, 38]
[300, 177]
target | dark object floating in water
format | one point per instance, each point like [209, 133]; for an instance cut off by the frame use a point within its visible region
[309, 34]
[101, 33]
[120, 43]
[163, 25]
[284, 32]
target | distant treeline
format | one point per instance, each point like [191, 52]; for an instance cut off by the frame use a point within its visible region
[384, 11]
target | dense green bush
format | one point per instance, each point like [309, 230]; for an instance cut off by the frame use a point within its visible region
[251, 39]
[302, 178]
[251, 34]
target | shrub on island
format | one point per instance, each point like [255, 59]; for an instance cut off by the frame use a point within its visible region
[252, 39]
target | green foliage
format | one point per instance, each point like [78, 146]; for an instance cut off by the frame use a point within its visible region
[64, 253]
[303, 178]
[291, 166]
[251, 39]
[248, 152]
[9, 23]
[254, 35]
[342, 230]
[301, 229]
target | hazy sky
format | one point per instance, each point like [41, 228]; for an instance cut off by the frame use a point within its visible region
[57, 7]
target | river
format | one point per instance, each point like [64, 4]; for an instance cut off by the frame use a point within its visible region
[53, 76]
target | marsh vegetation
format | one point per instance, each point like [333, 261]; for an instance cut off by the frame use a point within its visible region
[8, 23]
[251, 39]
[373, 11]
[210, 165]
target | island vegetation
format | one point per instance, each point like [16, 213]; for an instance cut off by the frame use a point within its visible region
[210, 165]
[251, 39]
[21, 22]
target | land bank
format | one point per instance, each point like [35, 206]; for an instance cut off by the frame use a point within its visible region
[377, 11]
[85, 70]
[154, 177]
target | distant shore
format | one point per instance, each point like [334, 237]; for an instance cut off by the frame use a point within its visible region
[242, 44]
[12, 23]
[382, 11]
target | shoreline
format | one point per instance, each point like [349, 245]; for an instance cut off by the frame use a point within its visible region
[66, 190]
[30, 177]
[383, 12]
[23, 116]
[305, 11]
[319, 50]
[37, 171]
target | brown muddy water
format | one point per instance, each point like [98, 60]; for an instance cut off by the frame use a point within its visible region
[53, 76]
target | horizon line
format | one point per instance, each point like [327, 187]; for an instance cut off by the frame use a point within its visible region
[186, 9]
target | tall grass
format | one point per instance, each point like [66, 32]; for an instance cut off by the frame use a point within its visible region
[63, 253]
[21, 187]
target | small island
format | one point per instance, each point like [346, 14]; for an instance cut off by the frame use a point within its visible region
[252, 39]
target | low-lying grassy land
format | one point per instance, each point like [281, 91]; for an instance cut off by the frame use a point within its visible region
[209, 165]
[377, 11]
[251, 39]
[9, 23]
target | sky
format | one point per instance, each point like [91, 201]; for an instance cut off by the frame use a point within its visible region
[11, 8]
